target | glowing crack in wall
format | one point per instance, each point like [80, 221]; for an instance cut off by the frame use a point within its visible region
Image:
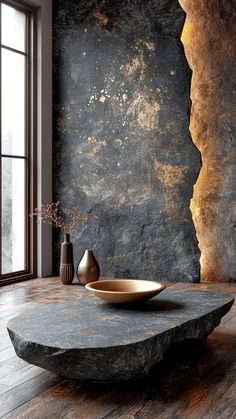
[209, 41]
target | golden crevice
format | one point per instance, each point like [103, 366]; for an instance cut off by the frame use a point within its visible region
[210, 49]
[186, 38]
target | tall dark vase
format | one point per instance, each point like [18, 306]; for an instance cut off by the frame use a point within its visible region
[66, 262]
[88, 269]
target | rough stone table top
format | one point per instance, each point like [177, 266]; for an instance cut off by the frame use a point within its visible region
[91, 340]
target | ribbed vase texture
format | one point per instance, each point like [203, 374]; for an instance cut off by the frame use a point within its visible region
[66, 273]
[66, 263]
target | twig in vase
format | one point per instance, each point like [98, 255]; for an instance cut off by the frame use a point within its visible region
[51, 214]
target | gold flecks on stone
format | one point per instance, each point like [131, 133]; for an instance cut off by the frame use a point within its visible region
[102, 99]
[170, 176]
[134, 65]
[100, 17]
[145, 110]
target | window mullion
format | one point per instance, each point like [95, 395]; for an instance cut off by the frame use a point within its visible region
[0, 143]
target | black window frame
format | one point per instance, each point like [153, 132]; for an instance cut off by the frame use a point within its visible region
[30, 145]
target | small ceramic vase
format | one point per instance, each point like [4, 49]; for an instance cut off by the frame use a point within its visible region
[88, 268]
[66, 262]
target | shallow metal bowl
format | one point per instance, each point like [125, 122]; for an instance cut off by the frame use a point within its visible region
[121, 291]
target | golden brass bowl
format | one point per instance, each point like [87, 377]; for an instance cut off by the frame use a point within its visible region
[121, 291]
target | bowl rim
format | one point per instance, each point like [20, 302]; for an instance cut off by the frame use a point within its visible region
[90, 286]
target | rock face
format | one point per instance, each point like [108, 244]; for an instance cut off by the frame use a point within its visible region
[90, 340]
[122, 147]
[209, 40]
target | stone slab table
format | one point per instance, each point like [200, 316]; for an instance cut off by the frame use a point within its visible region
[91, 340]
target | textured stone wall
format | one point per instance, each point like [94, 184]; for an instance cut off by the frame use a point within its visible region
[122, 147]
[209, 38]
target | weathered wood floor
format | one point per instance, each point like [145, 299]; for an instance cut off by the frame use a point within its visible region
[195, 380]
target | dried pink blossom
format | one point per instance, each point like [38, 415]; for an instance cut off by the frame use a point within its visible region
[51, 214]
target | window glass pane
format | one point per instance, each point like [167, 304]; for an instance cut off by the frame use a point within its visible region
[13, 28]
[13, 215]
[13, 103]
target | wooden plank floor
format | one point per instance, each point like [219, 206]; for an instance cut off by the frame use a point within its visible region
[195, 380]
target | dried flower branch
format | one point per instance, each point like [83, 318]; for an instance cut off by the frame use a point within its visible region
[51, 214]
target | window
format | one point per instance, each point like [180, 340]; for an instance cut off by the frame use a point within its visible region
[17, 148]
